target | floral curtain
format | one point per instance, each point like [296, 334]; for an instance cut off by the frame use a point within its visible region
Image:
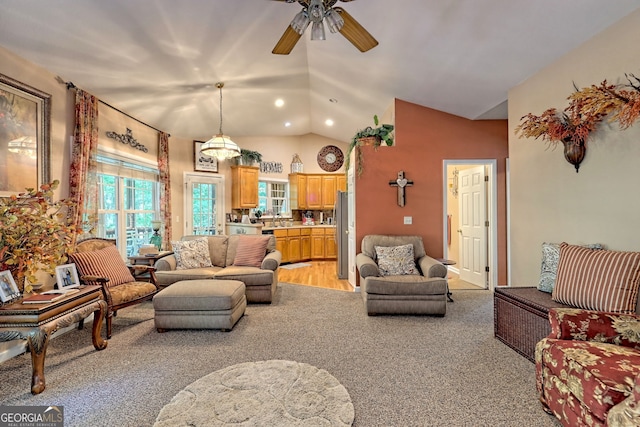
[83, 176]
[165, 187]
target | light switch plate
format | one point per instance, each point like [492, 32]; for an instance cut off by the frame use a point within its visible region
[408, 220]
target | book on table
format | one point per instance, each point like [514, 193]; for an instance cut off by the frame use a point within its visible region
[49, 296]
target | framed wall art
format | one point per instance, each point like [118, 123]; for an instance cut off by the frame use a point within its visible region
[202, 162]
[25, 120]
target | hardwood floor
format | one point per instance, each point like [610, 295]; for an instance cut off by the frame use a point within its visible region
[320, 274]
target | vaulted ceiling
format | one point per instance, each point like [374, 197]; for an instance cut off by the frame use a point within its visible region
[159, 60]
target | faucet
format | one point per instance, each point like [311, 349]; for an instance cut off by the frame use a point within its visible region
[280, 220]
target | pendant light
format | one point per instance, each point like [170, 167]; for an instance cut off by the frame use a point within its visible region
[220, 146]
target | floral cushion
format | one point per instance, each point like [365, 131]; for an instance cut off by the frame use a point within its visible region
[191, 253]
[589, 363]
[396, 260]
[597, 280]
[585, 378]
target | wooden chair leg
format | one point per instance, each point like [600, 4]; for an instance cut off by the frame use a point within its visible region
[109, 317]
[81, 324]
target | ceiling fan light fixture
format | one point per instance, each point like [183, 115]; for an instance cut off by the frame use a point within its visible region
[300, 22]
[334, 21]
[317, 31]
[220, 146]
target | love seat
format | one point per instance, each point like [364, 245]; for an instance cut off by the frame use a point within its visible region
[234, 257]
[398, 277]
[588, 368]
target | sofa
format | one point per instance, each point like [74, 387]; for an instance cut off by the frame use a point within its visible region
[251, 259]
[398, 277]
[588, 368]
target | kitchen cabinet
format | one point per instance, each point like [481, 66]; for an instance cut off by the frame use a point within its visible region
[305, 243]
[298, 191]
[341, 182]
[293, 245]
[315, 191]
[329, 187]
[244, 187]
[281, 243]
[323, 244]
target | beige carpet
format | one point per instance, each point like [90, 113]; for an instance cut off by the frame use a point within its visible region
[265, 393]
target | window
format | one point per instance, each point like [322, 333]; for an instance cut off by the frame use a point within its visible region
[128, 200]
[273, 198]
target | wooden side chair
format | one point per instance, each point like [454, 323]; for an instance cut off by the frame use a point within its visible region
[99, 263]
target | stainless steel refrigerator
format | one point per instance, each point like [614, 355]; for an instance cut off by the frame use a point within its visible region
[340, 219]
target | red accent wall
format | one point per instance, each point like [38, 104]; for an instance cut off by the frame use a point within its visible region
[423, 139]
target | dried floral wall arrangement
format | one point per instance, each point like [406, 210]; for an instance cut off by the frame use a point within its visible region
[588, 107]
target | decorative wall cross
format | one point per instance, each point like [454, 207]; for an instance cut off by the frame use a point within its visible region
[401, 182]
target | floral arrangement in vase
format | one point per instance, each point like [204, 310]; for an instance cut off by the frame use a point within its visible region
[36, 233]
[588, 107]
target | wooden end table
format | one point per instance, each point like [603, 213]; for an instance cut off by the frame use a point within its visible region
[37, 322]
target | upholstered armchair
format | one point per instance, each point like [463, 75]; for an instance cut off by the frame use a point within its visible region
[99, 263]
[398, 277]
[588, 368]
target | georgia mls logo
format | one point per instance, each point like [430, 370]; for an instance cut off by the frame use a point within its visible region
[31, 416]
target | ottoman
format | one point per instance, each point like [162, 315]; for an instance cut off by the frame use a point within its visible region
[199, 304]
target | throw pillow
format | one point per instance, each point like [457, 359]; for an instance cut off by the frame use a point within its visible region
[251, 251]
[549, 265]
[597, 280]
[191, 253]
[105, 262]
[396, 260]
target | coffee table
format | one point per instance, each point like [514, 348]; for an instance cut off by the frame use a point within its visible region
[37, 322]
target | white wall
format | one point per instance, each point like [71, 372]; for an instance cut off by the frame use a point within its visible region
[550, 202]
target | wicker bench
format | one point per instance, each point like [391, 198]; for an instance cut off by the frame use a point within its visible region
[521, 317]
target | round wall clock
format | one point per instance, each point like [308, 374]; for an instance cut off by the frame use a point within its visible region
[330, 158]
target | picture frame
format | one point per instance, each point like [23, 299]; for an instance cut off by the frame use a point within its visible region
[67, 277]
[8, 288]
[25, 139]
[201, 162]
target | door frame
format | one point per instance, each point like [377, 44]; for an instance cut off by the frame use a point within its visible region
[491, 166]
[207, 178]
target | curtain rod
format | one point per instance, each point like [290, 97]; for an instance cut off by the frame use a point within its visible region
[70, 85]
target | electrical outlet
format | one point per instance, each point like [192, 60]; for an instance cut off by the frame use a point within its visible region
[408, 220]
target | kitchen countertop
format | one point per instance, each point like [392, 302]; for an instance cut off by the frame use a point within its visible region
[268, 227]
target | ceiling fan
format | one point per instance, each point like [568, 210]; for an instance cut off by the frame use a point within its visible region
[317, 12]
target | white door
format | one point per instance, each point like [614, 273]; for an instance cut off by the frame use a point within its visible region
[472, 228]
[351, 226]
[204, 205]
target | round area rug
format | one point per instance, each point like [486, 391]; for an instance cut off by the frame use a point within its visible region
[266, 393]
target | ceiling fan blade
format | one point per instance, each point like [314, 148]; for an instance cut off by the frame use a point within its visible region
[287, 42]
[355, 33]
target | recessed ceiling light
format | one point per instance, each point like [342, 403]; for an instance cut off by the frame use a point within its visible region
[287, 124]
[279, 102]
[328, 122]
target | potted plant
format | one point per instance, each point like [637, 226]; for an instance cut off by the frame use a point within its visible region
[36, 233]
[248, 157]
[369, 136]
